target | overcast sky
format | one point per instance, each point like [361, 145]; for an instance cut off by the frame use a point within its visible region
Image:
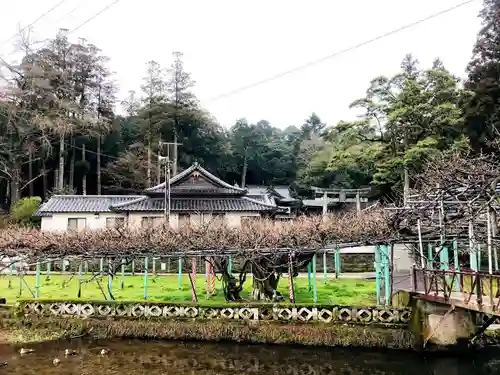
[229, 44]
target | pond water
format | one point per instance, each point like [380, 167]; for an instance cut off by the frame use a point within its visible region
[153, 357]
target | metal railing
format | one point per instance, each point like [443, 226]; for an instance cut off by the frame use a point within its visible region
[452, 285]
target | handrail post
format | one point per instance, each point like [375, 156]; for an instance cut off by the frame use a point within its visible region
[479, 289]
[414, 278]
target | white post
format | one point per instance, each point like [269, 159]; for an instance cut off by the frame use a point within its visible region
[325, 206]
[421, 247]
[488, 228]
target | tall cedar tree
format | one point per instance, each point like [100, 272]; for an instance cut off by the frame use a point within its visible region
[483, 107]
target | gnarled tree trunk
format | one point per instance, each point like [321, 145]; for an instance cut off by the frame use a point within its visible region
[266, 289]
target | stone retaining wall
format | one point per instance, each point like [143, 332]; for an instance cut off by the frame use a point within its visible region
[150, 310]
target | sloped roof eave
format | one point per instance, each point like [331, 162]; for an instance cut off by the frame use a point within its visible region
[195, 167]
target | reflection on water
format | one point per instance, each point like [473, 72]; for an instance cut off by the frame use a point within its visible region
[152, 357]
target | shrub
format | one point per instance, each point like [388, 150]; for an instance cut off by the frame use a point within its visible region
[22, 211]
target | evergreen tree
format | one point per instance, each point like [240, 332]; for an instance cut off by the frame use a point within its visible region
[483, 106]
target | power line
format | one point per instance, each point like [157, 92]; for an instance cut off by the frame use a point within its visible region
[349, 49]
[35, 21]
[94, 16]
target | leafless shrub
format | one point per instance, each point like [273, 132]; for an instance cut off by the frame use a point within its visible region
[260, 236]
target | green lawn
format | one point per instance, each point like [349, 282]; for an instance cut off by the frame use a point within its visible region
[165, 288]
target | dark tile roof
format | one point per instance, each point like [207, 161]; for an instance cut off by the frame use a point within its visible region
[81, 203]
[282, 192]
[207, 183]
[196, 204]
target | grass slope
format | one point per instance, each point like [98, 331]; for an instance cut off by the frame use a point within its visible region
[165, 288]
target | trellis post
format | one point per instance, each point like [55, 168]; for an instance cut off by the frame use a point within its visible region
[315, 289]
[230, 265]
[193, 280]
[457, 265]
[48, 270]
[11, 273]
[20, 283]
[110, 279]
[146, 278]
[444, 259]
[337, 262]
[309, 285]
[430, 257]
[132, 265]
[291, 289]
[179, 274]
[207, 278]
[387, 274]
[478, 257]
[377, 272]
[37, 285]
[154, 266]
[80, 276]
[472, 248]
[325, 279]
[122, 284]
[101, 265]
[212, 278]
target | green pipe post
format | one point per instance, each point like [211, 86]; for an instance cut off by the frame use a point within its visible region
[338, 263]
[179, 274]
[430, 257]
[387, 275]
[230, 265]
[473, 259]
[444, 260]
[309, 276]
[456, 265]
[123, 274]
[48, 270]
[377, 272]
[37, 285]
[325, 278]
[146, 278]
[315, 286]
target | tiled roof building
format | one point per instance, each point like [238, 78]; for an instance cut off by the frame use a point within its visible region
[196, 195]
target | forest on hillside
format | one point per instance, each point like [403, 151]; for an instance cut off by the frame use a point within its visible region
[60, 131]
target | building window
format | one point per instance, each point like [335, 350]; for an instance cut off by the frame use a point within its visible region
[218, 219]
[148, 222]
[115, 222]
[77, 224]
[184, 219]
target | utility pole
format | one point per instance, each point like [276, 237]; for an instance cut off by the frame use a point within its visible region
[167, 165]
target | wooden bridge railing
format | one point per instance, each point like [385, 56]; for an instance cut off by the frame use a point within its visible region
[450, 285]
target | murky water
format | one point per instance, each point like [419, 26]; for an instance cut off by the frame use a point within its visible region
[139, 357]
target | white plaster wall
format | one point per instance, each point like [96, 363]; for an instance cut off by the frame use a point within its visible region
[59, 221]
[233, 219]
[135, 219]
